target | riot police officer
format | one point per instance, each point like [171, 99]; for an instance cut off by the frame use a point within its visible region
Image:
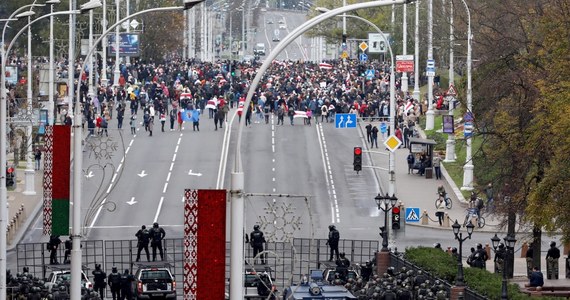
[480, 257]
[143, 238]
[334, 237]
[99, 277]
[256, 240]
[114, 281]
[552, 257]
[342, 265]
[157, 234]
[52, 246]
[127, 285]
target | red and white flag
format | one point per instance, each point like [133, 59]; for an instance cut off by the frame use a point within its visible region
[325, 66]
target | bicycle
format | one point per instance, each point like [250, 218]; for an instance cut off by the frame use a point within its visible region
[472, 212]
[448, 203]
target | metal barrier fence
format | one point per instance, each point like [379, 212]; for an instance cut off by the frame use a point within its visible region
[288, 261]
[397, 261]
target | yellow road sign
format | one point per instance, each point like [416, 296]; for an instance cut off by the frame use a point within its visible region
[363, 46]
[344, 55]
[392, 143]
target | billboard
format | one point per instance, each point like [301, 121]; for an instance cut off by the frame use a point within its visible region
[129, 44]
[12, 75]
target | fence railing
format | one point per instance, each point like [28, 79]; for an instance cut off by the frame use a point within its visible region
[288, 261]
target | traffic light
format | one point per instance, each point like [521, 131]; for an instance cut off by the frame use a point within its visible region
[357, 159]
[396, 217]
[10, 177]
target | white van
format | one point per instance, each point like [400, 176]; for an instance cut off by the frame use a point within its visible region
[259, 49]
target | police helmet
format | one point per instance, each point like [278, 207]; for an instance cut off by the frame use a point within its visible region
[501, 246]
[155, 225]
[342, 254]
[114, 269]
[331, 227]
[143, 227]
[553, 244]
[255, 227]
[479, 246]
[437, 245]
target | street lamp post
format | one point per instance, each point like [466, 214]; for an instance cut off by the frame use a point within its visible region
[237, 175]
[459, 280]
[468, 167]
[416, 94]
[430, 114]
[404, 82]
[3, 150]
[30, 171]
[450, 144]
[510, 241]
[51, 88]
[77, 155]
[117, 72]
[385, 203]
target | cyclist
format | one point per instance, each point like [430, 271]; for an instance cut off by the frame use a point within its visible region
[441, 192]
[476, 204]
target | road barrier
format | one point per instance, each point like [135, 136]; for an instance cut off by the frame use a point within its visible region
[289, 261]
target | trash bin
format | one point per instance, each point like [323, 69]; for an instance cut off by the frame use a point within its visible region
[429, 173]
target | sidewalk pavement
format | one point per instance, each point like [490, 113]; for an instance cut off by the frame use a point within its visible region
[31, 205]
[414, 190]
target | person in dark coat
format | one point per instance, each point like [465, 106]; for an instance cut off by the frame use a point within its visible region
[127, 285]
[143, 239]
[114, 281]
[157, 234]
[257, 240]
[99, 283]
[52, 246]
[334, 237]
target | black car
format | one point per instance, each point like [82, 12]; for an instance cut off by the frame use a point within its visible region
[154, 281]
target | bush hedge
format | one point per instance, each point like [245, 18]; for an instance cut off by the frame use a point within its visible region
[442, 265]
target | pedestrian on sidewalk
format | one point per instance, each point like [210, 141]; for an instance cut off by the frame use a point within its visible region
[133, 125]
[436, 161]
[38, 158]
[374, 139]
[369, 132]
[411, 161]
[552, 257]
[440, 208]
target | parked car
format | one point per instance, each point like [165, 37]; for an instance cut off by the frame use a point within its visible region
[154, 280]
[63, 273]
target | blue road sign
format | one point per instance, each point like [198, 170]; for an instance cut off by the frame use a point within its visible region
[363, 57]
[345, 121]
[413, 215]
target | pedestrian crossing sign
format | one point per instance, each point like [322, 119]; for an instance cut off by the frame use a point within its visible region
[412, 214]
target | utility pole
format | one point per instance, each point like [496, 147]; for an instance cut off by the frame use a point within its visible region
[430, 114]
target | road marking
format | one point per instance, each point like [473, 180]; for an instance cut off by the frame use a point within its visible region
[98, 212]
[127, 151]
[158, 209]
[142, 174]
[165, 186]
[335, 211]
[174, 157]
[179, 139]
[132, 201]
[123, 159]
[114, 177]
[194, 174]
[176, 150]
[109, 189]
[171, 166]
[168, 177]
[119, 167]
[131, 143]
[90, 174]
[273, 169]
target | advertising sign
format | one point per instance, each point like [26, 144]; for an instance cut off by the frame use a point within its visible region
[404, 63]
[377, 42]
[448, 124]
[11, 75]
[129, 44]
